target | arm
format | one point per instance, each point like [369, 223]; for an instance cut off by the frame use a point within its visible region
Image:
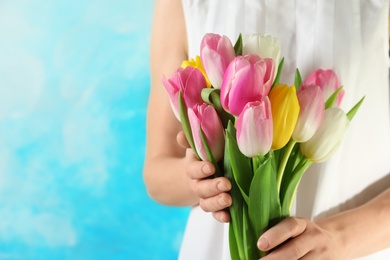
[172, 174]
[165, 159]
[354, 233]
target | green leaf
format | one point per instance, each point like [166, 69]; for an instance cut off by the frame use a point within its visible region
[233, 243]
[245, 227]
[330, 101]
[212, 97]
[264, 205]
[297, 79]
[249, 237]
[295, 157]
[185, 123]
[237, 248]
[280, 68]
[210, 156]
[241, 166]
[216, 100]
[223, 115]
[238, 45]
[282, 165]
[353, 110]
[292, 186]
[205, 94]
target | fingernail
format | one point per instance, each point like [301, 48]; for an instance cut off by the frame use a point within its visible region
[222, 201]
[223, 219]
[221, 186]
[206, 169]
[263, 244]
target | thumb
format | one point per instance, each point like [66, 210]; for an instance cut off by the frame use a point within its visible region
[182, 140]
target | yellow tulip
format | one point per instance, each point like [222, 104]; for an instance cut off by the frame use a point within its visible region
[285, 111]
[197, 63]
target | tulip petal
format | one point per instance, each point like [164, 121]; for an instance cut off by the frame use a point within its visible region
[214, 66]
[226, 48]
[328, 137]
[194, 82]
[268, 76]
[216, 53]
[243, 82]
[254, 128]
[172, 90]
[311, 102]
[328, 82]
[204, 117]
[266, 46]
[285, 111]
[244, 90]
[195, 126]
[214, 133]
[190, 82]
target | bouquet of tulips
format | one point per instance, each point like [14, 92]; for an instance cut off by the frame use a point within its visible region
[261, 134]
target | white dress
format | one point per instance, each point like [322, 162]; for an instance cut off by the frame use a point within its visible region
[348, 36]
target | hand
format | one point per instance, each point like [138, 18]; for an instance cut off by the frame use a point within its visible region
[212, 192]
[297, 238]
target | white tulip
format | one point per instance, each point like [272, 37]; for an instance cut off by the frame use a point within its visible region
[328, 137]
[266, 46]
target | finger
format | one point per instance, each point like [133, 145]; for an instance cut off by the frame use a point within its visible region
[222, 216]
[190, 155]
[308, 256]
[200, 169]
[182, 140]
[211, 187]
[308, 245]
[216, 203]
[275, 236]
[296, 248]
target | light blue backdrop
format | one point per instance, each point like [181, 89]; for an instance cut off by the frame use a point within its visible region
[74, 82]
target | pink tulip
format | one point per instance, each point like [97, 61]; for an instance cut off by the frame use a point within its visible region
[328, 81]
[190, 81]
[216, 52]
[311, 101]
[254, 128]
[206, 118]
[248, 78]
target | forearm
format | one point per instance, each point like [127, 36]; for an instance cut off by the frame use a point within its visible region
[362, 230]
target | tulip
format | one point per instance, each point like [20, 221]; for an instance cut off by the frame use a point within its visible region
[197, 63]
[265, 46]
[190, 82]
[312, 107]
[247, 79]
[254, 128]
[285, 111]
[216, 53]
[328, 137]
[205, 117]
[328, 81]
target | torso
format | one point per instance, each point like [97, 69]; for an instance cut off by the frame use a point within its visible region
[349, 37]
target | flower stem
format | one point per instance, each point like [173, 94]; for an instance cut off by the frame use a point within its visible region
[283, 164]
[255, 163]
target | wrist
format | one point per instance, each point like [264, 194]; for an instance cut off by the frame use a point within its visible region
[338, 234]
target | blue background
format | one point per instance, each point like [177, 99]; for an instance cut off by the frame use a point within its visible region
[74, 84]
